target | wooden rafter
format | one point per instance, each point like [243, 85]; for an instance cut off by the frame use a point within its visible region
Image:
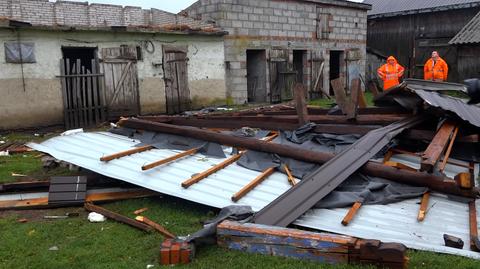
[170, 159]
[423, 206]
[126, 153]
[254, 183]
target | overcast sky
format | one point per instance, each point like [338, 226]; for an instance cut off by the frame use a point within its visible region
[174, 6]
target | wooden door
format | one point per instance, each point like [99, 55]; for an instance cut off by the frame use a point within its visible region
[175, 70]
[119, 66]
[282, 76]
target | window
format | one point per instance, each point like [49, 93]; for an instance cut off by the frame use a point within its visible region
[20, 52]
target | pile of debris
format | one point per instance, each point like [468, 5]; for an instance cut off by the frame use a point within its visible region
[386, 178]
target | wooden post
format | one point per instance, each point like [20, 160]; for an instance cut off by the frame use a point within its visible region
[170, 159]
[340, 95]
[245, 190]
[436, 148]
[125, 153]
[474, 242]
[423, 206]
[301, 104]
[112, 215]
[354, 98]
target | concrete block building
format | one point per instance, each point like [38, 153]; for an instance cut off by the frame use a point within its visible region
[273, 43]
[135, 61]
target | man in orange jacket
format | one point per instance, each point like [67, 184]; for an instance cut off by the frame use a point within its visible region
[436, 68]
[390, 73]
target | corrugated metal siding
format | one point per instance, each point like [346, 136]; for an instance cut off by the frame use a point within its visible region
[389, 223]
[389, 6]
[420, 33]
[470, 33]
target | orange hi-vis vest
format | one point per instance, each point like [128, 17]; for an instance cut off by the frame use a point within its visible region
[437, 71]
[390, 74]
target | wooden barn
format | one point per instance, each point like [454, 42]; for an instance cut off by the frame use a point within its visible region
[410, 30]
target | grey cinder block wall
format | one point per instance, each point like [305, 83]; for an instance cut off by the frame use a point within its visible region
[317, 27]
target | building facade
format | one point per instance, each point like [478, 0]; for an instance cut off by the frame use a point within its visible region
[149, 61]
[273, 43]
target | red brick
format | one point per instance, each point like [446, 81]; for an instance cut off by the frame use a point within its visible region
[175, 253]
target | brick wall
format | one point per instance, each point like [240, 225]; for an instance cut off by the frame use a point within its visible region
[292, 25]
[69, 13]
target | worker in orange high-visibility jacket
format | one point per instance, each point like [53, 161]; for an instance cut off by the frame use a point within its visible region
[436, 68]
[390, 73]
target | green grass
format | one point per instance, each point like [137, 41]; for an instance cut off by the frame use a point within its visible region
[28, 164]
[113, 245]
[328, 103]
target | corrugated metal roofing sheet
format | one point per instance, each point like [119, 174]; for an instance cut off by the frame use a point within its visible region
[469, 34]
[389, 223]
[405, 6]
[469, 113]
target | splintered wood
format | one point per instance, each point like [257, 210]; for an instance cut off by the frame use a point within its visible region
[432, 154]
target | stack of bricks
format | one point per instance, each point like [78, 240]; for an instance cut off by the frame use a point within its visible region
[174, 251]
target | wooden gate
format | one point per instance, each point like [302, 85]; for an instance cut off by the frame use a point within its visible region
[83, 94]
[282, 76]
[175, 71]
[119, 65]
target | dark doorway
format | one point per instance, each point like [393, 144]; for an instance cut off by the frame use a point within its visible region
[298, 64]
[257, 76]
[335, 66]
[86, 55]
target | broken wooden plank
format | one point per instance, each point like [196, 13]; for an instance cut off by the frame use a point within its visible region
[355, 90]
[140, 211]
[248, 188]
[449, 150]
[290, 177]
[340, 95]
[351, 213]
[117, 217]
[464, 180]
[474, 241]
[436, 148]
[423, 206]
[170, 159]
[125, 153]
[305, 245]
[159, 228]
[301, 104]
